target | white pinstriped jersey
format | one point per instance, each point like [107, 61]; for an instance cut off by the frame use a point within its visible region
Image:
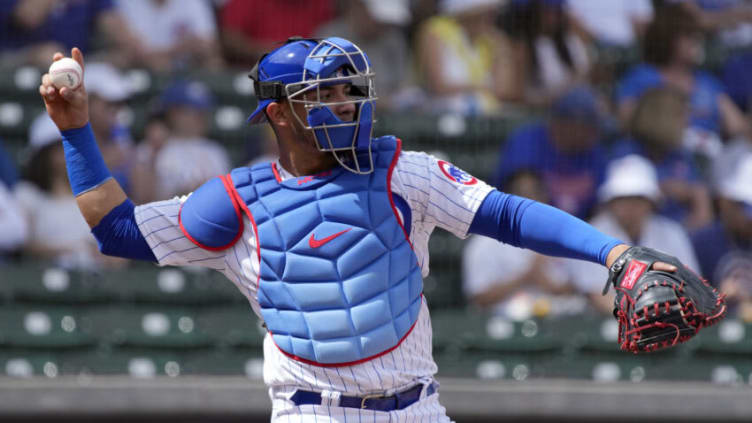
[437, 193]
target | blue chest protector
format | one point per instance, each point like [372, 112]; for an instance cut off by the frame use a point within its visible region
[339, 282]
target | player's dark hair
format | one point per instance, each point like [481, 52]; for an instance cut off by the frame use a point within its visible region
[653, 123]
[528, 26]
[508, 183]
[671, 22]
[38, 170]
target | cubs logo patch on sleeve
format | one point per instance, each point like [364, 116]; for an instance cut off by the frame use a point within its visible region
[456, 174]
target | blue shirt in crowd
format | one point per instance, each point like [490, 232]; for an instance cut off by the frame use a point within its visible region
[704, 109]
[713, 247]
[738, 79]
[8, 171]
[571, 179]
[71, 23]
[677, 165]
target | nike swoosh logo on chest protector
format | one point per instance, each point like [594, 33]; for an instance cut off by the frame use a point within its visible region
[316, 243]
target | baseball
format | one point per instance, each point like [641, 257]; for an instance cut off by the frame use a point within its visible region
[66, 72]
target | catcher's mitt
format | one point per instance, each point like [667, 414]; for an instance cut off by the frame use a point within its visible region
[658, 309]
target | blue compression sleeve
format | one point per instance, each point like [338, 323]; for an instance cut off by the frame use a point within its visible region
[118, 234]
[86, 167]
[525, 223]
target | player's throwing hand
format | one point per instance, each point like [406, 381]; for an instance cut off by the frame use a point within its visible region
[68, 108]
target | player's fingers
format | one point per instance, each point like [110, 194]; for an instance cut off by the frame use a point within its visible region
[68, 94]
[46, 89]
[78, 56]
[43, 92]
[47, 80]
[57, 56]
[665, 267]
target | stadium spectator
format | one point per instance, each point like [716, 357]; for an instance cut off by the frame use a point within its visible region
[108, 91]
[250, 28]
[657, 130]
[8, 171]
[729, 19]
[513, 282]
[565, 150]
[726, 244]
[549, 53]
[376, 27]
[738, 81]
[619, 23]
[13, 228]
[56, 229]
[187, 158]
[629, 200]
[156, 135]
[672, 50]
[465, 62]
[31, 31]
[724, 164]
[12, 223]
[173, 33]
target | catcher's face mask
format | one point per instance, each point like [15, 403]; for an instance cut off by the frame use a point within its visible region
[305, 80]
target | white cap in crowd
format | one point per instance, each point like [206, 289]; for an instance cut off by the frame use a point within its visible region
[43, 132]
[106, 82]
[738, 185]
[630, 176]
[457, 7]
[392, 12]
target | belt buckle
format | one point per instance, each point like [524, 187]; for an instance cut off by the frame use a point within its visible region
[366, 398]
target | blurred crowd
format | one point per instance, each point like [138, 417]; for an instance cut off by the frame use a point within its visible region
[657, 153]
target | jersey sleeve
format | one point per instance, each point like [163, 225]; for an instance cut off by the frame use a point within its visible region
[158, 223]
[439, 193]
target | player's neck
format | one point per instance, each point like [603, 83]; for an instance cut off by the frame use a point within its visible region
[301, 163]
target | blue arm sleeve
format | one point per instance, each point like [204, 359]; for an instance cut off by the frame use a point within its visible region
[86, 167]
[118, 234]
[528, 224]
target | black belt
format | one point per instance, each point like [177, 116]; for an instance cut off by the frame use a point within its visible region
[397, 401]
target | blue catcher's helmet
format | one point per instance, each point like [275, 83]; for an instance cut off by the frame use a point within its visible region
[298, 70]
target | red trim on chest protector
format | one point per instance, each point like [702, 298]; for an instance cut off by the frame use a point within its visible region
[349, 363]
[229, 189]
[276, 172]
[244, 206]
[395, 159]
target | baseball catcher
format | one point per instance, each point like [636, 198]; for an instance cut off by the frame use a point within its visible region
[329, 242]
[657, 308]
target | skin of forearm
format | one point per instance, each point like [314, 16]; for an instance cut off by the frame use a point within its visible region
[100, 201]
[615, 253]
